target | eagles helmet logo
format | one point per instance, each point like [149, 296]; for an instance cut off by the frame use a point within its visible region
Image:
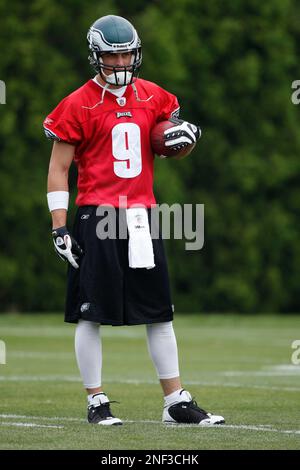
[114, 34]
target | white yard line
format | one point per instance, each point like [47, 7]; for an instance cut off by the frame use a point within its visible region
[261, 373]
[42, 418]
[266, 428]
[19, 354]
[260, 428]
[71, 378]
[275, 370]
[30, 425]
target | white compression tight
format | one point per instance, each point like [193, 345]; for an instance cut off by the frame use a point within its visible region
[161, 342]
[162, 347]
[88, 350]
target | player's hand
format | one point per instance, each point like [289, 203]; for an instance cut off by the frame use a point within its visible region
[66, 246]
[182, 134]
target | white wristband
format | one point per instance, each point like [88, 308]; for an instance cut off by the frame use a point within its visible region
[58, 200]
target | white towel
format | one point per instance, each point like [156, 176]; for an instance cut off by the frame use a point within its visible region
[140, 248]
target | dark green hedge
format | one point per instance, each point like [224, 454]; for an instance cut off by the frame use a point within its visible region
[231, 65]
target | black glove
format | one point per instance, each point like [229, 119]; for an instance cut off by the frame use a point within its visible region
[182, 134]
[66, 246]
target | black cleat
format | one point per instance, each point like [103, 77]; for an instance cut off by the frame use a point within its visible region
[99, 411]
[188, 412]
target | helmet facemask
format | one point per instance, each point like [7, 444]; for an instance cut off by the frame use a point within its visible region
[118, 75]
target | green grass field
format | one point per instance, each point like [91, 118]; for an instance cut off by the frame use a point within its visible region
[237, 366]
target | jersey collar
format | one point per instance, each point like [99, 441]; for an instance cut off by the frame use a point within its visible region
[119, 92]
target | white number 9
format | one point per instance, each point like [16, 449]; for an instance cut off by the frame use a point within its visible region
[126, 147]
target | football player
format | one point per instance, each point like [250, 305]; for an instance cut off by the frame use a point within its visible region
[104, 126]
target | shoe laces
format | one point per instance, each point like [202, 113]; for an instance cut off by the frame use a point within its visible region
[193, 405]
[103, 409]
[106, 405]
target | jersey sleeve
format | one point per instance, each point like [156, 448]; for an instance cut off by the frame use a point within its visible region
[62, 124]
[169, 106]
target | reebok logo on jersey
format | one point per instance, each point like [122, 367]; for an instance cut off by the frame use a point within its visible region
[48, 121]
[125, 114]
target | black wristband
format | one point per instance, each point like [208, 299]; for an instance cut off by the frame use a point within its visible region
[60, 231]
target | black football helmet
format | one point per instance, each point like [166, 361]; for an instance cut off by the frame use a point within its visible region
[114, 34]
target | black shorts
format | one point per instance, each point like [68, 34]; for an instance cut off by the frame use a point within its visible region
[105, 289]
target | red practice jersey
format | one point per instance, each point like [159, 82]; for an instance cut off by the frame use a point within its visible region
[112, 138]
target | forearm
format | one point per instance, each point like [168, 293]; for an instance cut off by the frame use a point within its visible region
[58, 181]
[59, 218]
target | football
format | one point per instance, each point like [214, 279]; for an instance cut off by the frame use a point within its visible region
[158, 142]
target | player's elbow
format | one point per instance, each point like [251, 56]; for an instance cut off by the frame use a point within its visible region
[61, 158]
[58, 168]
